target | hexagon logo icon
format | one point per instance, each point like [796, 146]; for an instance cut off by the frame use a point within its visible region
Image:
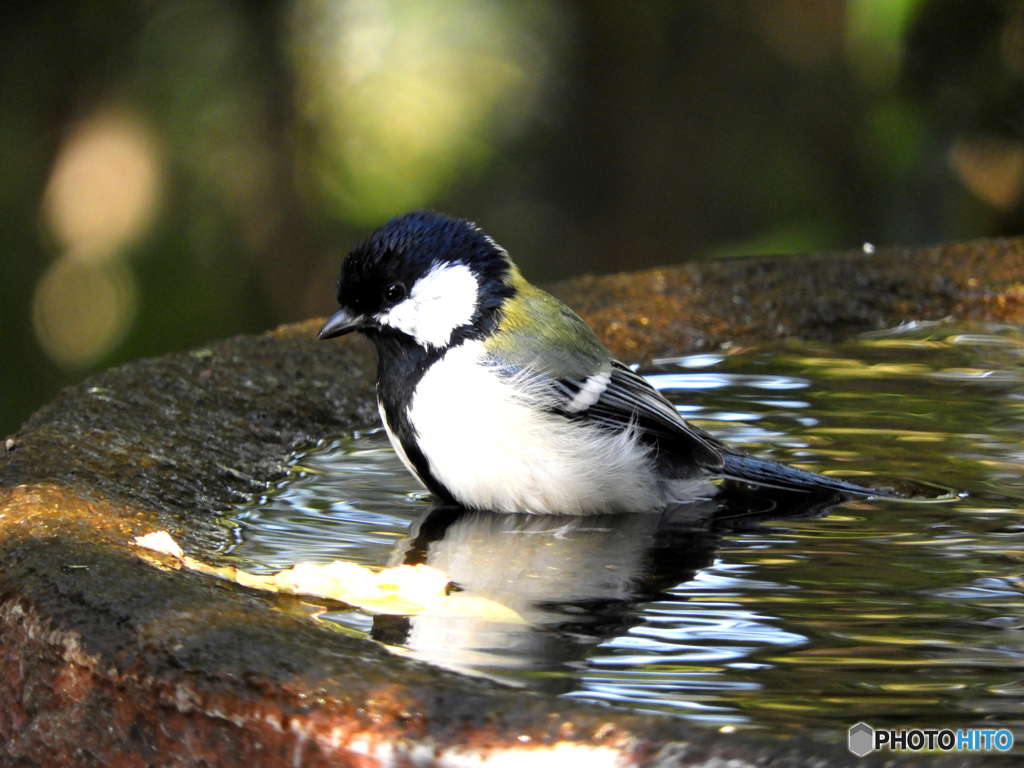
[861, 739]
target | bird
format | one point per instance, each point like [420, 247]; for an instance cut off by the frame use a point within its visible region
[497, 396]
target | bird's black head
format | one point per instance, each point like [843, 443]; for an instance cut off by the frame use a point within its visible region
[424, 276]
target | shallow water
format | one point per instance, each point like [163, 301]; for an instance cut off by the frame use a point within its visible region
[756, 613]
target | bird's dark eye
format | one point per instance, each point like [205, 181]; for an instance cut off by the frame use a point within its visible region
[394, 293]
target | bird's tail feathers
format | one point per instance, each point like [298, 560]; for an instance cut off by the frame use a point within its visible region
[751, 469]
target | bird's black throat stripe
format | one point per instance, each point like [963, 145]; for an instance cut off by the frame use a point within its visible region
[400, 366]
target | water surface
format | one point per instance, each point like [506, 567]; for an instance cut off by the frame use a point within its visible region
[766, 611]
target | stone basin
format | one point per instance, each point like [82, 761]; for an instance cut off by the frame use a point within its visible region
[108, 660]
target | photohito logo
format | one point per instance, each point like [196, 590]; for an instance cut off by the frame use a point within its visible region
[862, 739]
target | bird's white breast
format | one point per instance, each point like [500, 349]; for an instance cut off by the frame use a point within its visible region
[494, 450]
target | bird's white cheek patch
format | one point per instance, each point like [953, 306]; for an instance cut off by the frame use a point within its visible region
[439, 302]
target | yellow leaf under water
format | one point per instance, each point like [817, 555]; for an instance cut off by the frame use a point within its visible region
[406, 590]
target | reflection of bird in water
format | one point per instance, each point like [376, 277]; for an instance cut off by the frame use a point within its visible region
[575, 581]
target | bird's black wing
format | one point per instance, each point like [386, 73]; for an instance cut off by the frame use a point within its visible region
[628, 399]
[681, 447]
[583, 382]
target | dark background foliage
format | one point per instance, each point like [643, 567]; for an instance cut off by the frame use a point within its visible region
[174, 171]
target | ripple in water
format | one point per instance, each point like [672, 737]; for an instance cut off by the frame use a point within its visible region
[759, 613]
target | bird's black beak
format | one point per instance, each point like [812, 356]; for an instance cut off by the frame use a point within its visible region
[343, 321]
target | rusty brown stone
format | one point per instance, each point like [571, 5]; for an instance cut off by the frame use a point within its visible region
[675, 310]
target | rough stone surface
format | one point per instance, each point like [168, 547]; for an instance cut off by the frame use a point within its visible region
[187, 435]
[106, 659]
[674, 310]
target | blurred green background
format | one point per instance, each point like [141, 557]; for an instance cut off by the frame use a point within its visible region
[174, 171]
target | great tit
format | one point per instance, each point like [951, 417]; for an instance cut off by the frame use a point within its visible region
[497, 396]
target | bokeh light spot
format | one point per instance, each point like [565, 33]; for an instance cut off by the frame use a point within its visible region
[404, 97]
[875, 31]
[991, 167]
[82, 309]
[105, 185]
